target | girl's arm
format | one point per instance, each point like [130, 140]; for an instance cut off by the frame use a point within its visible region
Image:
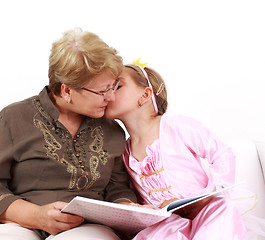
[205, 144]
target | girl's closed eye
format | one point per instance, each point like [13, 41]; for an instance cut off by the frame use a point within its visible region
[119, 86]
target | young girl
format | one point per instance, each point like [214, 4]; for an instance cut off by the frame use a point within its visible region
[163, 156]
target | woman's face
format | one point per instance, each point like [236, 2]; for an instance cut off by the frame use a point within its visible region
[85, 102]
[126, 97]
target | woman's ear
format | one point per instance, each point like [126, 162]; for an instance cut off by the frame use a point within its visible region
[66, 92]
[147, 95]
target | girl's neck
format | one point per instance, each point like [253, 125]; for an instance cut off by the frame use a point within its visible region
[143, 132]
[141, 125]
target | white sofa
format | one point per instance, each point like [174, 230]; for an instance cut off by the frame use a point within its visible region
[250, 169]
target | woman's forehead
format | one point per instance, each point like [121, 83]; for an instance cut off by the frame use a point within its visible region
[101, 80]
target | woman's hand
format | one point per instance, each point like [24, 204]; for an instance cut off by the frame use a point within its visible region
[52, 220]
[48, 217]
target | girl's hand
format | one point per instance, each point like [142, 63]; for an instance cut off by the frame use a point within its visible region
[139, 205]
[167, 202]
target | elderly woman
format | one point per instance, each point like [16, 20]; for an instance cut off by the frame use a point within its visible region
[57, 145]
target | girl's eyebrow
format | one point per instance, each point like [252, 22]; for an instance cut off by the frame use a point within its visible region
[121, 78]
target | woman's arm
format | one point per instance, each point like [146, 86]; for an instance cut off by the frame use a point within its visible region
[118, 189]
[12, 207]
[47, 218]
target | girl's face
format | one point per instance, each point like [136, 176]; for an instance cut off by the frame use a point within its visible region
[126, 97]
[87, 103]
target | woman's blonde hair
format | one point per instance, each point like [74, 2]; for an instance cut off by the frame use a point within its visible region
[157, 82]
[78, 56]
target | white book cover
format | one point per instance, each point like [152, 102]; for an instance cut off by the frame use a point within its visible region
[130, 219]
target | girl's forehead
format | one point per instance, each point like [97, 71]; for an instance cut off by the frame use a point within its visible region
[124, 77]
[126, 72]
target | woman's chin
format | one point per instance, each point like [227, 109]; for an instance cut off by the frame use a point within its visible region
[109, 114]
[97, 114]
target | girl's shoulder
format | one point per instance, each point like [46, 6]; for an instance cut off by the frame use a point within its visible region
[181, 124]
[175, 119]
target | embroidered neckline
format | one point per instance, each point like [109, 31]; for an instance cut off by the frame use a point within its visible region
[75, 148]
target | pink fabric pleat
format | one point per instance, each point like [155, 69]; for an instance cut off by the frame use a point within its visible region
[218, 220]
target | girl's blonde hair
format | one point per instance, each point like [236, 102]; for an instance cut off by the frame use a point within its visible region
[78, 56]
[157, 82]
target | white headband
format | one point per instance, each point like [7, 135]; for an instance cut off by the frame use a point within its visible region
[150, 85]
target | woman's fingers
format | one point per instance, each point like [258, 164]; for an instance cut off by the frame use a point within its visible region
[54, 221]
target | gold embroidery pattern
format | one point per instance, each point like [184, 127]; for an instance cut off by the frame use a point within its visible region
[97, 144]
[159, 190]
[4, 196]
[37, 104]
[79, 159]
[52, 146]
[153, 173]
[73, 171]
[96, 147]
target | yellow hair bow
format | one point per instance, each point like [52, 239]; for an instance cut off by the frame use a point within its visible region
[137, 62]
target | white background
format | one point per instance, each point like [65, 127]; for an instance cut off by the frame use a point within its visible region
[210, 53]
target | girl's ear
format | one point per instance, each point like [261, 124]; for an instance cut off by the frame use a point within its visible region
[66, 92]
[147, 95]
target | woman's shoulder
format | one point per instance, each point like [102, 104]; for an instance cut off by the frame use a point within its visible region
[16, 109]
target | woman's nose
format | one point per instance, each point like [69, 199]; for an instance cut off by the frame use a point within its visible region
[110, 96]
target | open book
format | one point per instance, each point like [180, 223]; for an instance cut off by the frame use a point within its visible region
[131, 219]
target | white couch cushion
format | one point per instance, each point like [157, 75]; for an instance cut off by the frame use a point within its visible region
[248, 170]
[261, 152]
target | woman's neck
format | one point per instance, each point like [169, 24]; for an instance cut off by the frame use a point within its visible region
[71, 120]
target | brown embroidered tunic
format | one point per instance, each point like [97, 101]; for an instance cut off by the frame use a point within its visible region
[41, 162]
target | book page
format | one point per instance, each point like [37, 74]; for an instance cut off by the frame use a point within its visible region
[194, 201]
[128, 219]
[131, 219]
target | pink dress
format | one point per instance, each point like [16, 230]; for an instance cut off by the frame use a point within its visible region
[173, 169]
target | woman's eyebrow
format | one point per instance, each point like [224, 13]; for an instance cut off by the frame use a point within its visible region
[108, 85]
